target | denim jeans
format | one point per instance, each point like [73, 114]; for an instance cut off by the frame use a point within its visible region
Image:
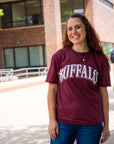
[83, 134]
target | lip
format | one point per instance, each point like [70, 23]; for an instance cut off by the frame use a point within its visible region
[75, 37]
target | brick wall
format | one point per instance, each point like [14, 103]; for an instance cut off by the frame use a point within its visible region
[1, 56]
[88, 4]
[104, 21]
[18, 37]
[27, 36]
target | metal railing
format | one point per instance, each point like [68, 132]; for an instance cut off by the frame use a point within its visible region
[6, 74]
[10, 74]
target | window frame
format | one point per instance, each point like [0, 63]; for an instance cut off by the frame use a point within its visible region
[5, 57]
[25, 12]
[107, 3]
[12, 22]
[28, 51]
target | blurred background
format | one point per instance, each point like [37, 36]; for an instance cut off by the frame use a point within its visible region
[31, 31]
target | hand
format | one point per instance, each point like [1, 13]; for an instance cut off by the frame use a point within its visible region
[53, 129]
[105, 135]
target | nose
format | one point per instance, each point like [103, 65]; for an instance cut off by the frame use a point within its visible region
[74, 31]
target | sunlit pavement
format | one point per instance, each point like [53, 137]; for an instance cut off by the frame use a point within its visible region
[24, 115]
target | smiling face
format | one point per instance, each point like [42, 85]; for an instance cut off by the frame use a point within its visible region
[76, 31]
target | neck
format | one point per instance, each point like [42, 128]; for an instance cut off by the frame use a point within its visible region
[81, 48]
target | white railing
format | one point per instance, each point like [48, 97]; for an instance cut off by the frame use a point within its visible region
[6, 74]
[10, 74]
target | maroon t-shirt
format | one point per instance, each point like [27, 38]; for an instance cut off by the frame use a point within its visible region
[78, 96]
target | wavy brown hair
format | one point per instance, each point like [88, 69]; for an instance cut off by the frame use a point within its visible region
[93, 41]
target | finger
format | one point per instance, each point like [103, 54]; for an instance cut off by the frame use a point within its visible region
[53, 135]
[57, 130]
[104, 138]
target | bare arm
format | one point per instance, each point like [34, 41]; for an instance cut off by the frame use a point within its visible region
[53, 127]
[109, 56]
[105, 103]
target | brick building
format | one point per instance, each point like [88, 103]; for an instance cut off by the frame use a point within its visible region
[32, 30]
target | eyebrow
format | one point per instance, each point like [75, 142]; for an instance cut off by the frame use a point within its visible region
[75, 25]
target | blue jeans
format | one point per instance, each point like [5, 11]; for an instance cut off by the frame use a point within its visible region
[83, 134]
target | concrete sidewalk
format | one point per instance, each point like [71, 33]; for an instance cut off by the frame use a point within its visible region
[24, 115]
[22, 83]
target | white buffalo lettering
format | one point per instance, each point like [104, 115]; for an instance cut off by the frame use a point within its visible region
[78, 71]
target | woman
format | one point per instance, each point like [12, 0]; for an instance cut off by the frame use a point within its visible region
[78, 78]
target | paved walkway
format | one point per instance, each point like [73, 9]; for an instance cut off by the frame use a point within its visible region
[24, 115]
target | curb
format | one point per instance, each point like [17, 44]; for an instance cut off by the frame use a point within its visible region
[23, 83]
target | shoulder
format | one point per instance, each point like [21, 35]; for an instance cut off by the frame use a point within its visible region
[102, 62]
[60, 54]
[100, 58]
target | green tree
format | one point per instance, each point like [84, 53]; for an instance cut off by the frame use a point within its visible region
[65, 14]
[107, 49]
[1, 12]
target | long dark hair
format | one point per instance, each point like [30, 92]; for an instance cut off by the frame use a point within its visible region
[93, 41]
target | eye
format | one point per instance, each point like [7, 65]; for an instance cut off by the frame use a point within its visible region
[78, 27]
[69, 28]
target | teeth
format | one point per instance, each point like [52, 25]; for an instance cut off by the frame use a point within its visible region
[76, 36]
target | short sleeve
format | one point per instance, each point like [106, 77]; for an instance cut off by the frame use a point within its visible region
[105, 78]
[52, 76]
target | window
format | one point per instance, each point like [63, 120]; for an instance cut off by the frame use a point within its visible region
[21, 57]
[9, 59]
[18, 14]
[34, 12]
[6, 19]
[107, 3]
[25, 57]
[70, 6]
[22, 13]
[36, 56]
